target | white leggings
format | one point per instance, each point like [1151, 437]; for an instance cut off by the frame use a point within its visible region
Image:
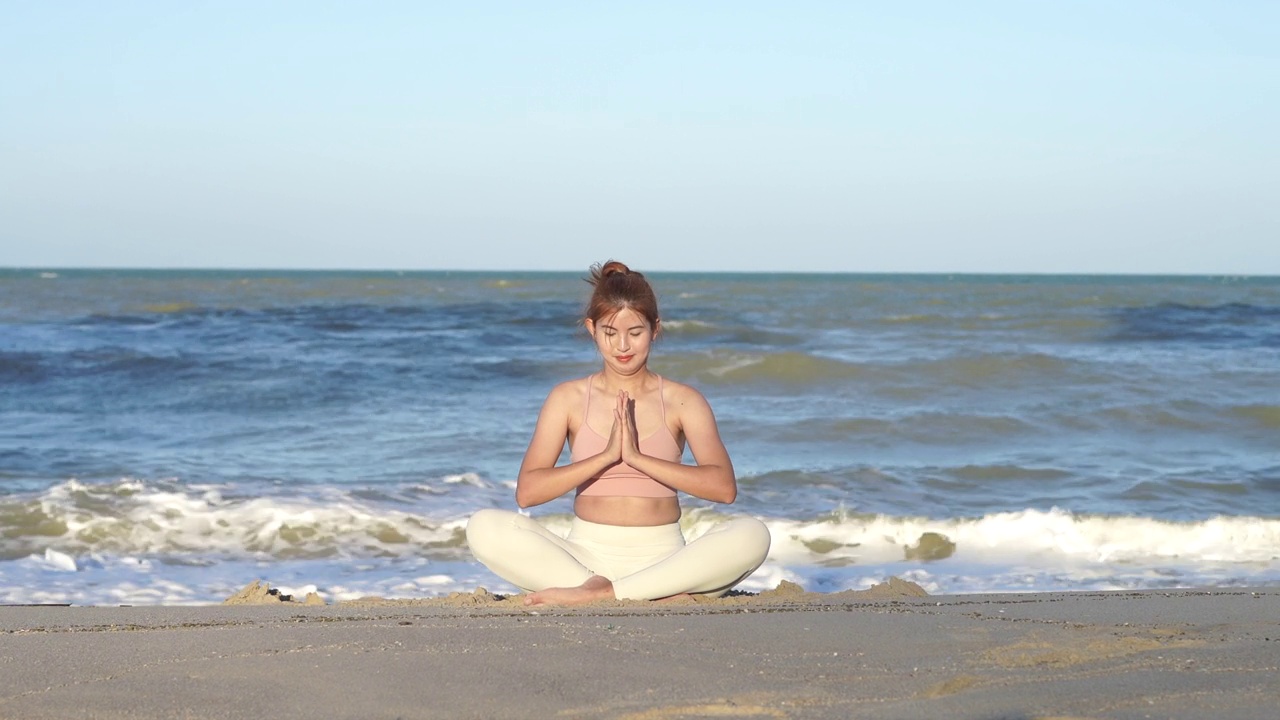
[644, 563]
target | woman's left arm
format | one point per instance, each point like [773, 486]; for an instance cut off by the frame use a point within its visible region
[712, 477]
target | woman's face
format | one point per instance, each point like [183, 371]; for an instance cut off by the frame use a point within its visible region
[623, 340]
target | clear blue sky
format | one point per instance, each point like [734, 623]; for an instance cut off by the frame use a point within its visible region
[803, 136]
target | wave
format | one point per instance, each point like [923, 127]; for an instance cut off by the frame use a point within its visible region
[964, 370]
[1032, 537]
[995, 368]
[732, 367]
[156, 542]
[689, 327]
[130, 517]
[1265, 416]
[1173, 414]
[168, 520]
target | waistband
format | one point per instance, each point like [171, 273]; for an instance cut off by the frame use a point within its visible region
[623, 534]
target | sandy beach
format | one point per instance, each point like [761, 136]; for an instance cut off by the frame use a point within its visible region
[887, 653]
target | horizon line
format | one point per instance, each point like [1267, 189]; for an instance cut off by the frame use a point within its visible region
[968, 273]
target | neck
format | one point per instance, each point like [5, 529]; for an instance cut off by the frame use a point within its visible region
[632, 383]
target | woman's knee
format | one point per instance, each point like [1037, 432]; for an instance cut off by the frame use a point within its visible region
[486, 528]
[753, 535]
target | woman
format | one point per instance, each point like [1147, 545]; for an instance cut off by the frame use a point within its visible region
[626, 429]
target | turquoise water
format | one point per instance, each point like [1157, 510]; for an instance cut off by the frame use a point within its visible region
[167, 436]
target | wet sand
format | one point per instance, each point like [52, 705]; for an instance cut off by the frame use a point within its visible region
[789, 654]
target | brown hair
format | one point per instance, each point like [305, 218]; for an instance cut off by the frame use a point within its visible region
[618, 287]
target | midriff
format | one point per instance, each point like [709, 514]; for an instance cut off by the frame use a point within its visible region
[627, 511]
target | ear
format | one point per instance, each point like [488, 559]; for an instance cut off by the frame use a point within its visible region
[590, 325]
[657, 327]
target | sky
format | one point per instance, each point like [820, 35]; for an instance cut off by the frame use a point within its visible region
[1001, 137]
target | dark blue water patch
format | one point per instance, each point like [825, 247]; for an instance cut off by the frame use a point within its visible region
[321, 319]
[131, 364]
[521, 316]
[1267, 482]
[123, 320]
[113, 381]
[1229, 325]
[20, 368]
[293, 358]
[102, 371]
[25, 468]
[35, 467]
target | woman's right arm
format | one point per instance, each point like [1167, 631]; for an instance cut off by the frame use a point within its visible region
[540, 480]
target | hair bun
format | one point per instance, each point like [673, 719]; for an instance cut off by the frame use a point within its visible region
[613, 267]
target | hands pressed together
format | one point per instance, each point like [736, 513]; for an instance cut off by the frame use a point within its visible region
[623, 445]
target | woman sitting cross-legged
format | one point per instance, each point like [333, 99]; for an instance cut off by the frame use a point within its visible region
[626, 428]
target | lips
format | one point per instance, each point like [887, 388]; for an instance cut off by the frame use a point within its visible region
[624, 358]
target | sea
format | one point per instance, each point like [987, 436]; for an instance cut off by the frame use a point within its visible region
[168, 436]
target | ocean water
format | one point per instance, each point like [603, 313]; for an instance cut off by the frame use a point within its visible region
[169, 436]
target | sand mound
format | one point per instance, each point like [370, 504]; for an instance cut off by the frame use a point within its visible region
[259, 593]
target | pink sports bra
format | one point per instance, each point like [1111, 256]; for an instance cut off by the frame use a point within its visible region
[622, 479]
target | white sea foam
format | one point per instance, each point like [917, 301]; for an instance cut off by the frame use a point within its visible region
[1031, 536]
[735, 364]
[132, 542]
[132, 518]
[59, 561]
[686, 324]
[135, 519]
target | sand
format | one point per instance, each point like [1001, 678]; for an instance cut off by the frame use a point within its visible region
[261, 593]
[888, 653]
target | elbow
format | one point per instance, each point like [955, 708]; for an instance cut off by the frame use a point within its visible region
[524, 502]
[729, 494]
[523, 499]
[724, 489]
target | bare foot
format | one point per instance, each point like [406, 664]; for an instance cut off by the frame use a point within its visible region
[597, 587]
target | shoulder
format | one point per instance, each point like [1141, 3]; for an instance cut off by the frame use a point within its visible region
[680, 396]
[568, 393]
[693, 415]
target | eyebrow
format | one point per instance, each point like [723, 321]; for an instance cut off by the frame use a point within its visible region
[641, 326]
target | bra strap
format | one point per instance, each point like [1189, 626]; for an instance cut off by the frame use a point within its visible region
[662, 400]
[586, 407]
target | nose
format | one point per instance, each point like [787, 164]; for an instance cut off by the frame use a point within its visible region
[624, 342]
